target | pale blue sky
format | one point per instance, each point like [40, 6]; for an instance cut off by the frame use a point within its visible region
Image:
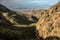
[27, 3]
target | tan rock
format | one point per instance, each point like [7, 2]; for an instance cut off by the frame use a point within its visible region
[49, 23]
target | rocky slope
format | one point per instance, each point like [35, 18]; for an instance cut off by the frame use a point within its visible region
[49, 23]
[8, 18]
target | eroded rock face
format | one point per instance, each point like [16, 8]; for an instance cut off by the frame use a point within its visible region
[49, 23]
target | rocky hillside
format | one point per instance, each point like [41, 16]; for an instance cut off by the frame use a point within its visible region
[49, 23]
[3, 9]
[46, 22]
[16, 18]
[20, 18]
[8, 18]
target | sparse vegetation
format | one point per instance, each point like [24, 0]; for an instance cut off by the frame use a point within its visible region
[35, 21]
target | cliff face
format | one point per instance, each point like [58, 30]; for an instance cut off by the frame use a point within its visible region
[49, 23]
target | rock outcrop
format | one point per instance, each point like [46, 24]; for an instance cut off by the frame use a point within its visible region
[49, 23]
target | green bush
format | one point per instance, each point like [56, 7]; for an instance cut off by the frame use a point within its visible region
[1, 21]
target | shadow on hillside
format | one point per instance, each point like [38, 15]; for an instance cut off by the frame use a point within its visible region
[23, 20]
[49, 38]
[53, 38]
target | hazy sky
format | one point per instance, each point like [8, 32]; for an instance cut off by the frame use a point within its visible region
[27, 3]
